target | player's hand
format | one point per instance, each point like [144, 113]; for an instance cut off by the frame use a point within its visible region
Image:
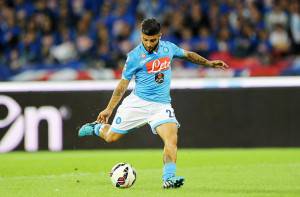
[104, 116]
[218, 64]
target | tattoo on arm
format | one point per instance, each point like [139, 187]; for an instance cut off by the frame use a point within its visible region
[195, 58]
[120, 90]
[118, 94]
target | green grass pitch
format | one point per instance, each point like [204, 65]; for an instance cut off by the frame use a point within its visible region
[208, 172]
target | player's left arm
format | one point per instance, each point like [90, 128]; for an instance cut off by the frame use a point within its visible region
[198, 59]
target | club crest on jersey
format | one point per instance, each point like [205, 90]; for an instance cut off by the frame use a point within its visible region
[159, 77]
[159, 64]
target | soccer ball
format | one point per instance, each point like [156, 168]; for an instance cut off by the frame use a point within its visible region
[123, 175]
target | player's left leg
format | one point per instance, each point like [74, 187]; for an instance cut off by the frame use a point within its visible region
[168, 133]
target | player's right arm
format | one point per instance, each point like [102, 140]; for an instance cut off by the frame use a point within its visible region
[128, 71]
[114, 100]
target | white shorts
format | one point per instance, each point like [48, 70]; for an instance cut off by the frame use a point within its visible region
[135, 112]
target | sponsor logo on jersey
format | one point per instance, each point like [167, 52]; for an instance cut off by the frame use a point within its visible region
[158, 65]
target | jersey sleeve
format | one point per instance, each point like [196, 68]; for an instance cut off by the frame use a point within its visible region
[177, 51]
[129, 69]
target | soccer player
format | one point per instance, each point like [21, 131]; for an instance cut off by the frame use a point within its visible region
[149, 102]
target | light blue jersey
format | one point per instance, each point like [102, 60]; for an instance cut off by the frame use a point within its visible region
[152, 71]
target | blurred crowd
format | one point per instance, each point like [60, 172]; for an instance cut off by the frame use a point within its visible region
[97, 34]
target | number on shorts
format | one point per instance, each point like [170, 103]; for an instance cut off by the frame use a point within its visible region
[171, 114]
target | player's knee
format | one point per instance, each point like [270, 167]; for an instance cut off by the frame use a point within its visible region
[170, 147]
[171, 143]
[110, 139]
[171, 140]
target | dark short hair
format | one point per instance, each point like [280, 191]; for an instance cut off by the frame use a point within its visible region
[150, 26]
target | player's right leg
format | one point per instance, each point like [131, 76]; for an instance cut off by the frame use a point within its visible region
[100, 130]
[168, 133]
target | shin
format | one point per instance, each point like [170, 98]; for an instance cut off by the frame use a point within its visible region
[170, 149]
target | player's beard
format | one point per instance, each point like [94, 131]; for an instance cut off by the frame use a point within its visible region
[154, 48]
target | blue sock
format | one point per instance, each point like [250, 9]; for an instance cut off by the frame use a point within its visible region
[97, 129]
[169, 170]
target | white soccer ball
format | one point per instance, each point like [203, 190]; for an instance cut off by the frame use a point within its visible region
[123, 175]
